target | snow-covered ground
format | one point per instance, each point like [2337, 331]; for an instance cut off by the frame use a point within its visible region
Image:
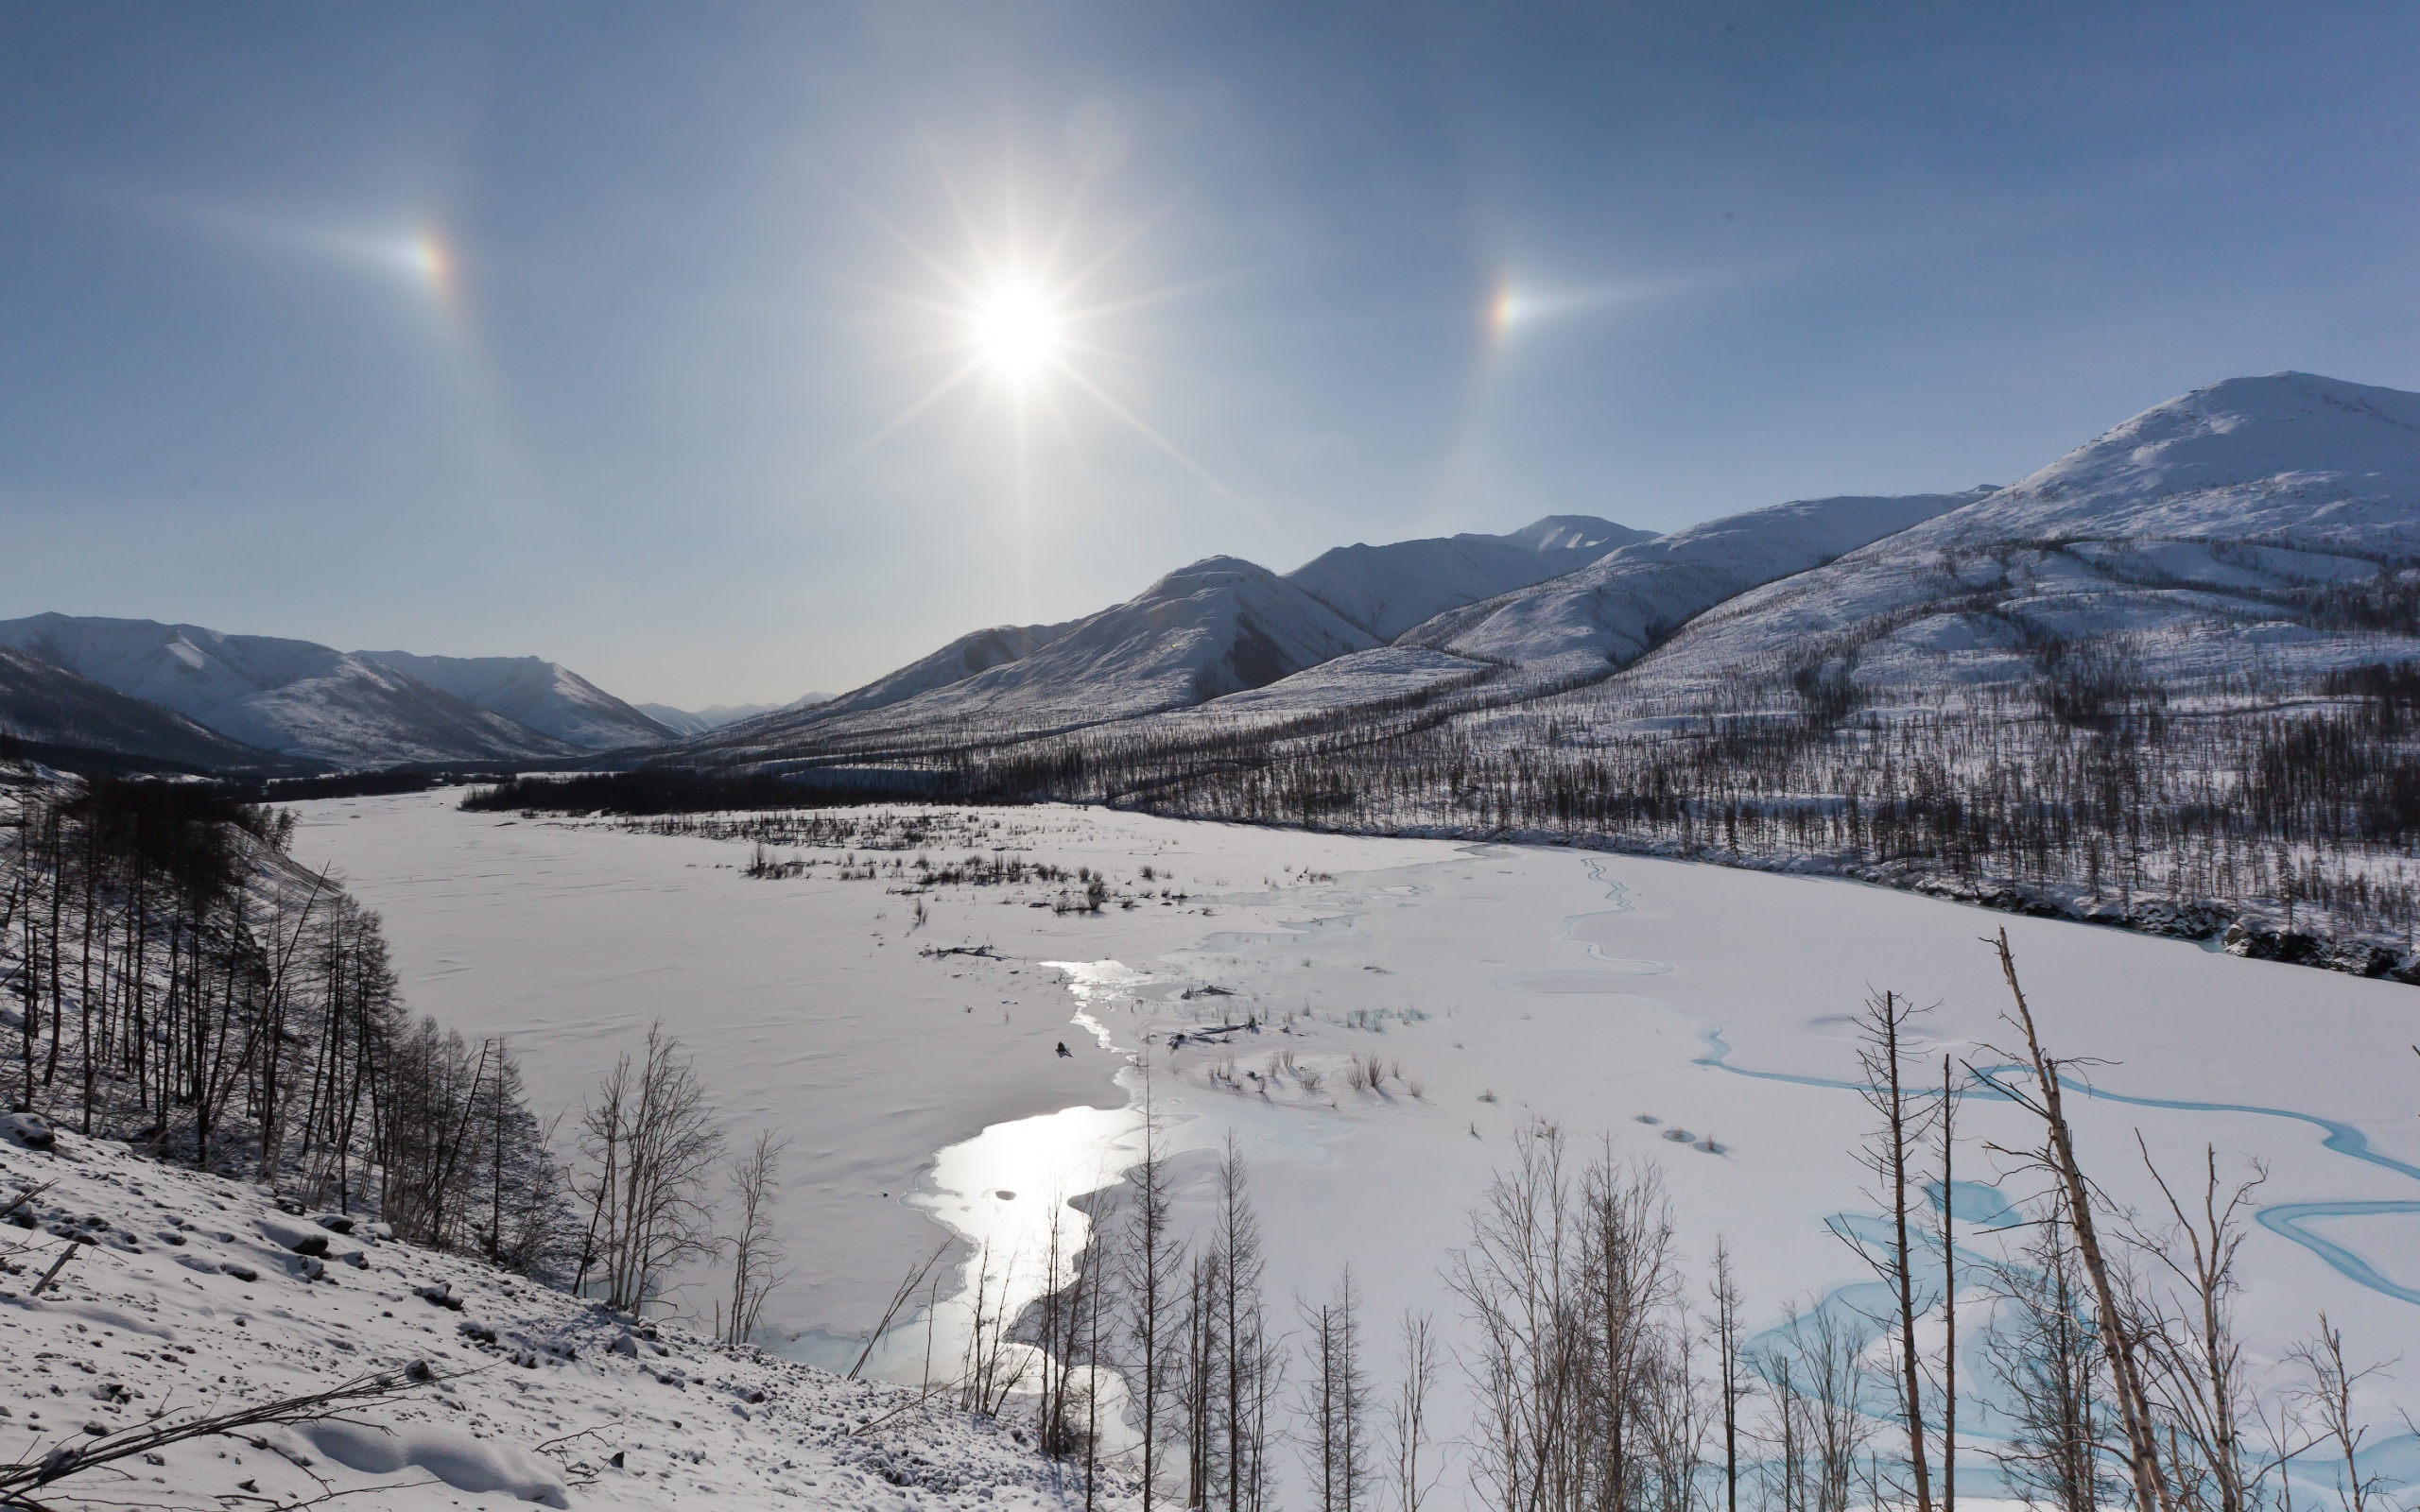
[1696, 1015]
[194, 1296]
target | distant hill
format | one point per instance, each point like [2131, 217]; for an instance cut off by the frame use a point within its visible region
[1388, 590]
[61, 715]
[293, 697]
[545, 696]
[716, 715]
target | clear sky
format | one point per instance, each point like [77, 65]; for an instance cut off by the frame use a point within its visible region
[626, 334]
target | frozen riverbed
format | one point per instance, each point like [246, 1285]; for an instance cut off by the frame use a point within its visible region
[1692, 1014]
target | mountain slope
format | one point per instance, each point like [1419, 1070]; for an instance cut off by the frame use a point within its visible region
[1217, 627]
[548, 696]
[1614, 609]
[975, 652]
[1387, 590]
[294, 697]
[2235, 528]
[44, 704]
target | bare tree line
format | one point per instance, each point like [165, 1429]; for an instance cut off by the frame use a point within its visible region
[177, 981]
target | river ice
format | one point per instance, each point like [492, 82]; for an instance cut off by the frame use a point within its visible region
[1698, 1016]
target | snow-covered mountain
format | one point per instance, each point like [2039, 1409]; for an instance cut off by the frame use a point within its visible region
[1387, 590]
[44, 704]
[548, 696]
[1217, 627]
[293, 697]
[716, 715]
[974, 652]
[1613, 610]
[2201, 537]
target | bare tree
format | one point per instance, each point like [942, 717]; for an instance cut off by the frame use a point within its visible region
[2327, 1390]
[1816, 1424]
[1336, 1400]
[1628, 1283]
[1252, 1371]
[2047, 1358]
[1735, 1385]
[651, 1141]
[1407, 1415]
[1519, 1278]
[2194, 1363]
[756, 1252]
[1153, 1258]
[1903, 1125]
[2120, 1344]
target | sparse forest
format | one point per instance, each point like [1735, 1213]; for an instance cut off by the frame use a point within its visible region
[174, 979]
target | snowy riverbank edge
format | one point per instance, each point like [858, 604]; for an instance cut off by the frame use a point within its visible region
[2247, 935]
[191, 1294]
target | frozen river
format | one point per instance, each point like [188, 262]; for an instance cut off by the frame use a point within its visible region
[1692, 1014]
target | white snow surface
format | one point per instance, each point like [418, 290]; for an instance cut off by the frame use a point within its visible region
[1387, 590]
[548, 696]
[188, 1297]
[1660, 1006]
[294, 697]
[1610, 612]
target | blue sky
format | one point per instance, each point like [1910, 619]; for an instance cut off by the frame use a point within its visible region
[566, 329]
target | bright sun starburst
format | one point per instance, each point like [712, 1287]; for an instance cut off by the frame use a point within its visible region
[1017, 331]
[1024, 314]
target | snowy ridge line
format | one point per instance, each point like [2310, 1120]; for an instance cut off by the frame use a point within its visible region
[190, 1293]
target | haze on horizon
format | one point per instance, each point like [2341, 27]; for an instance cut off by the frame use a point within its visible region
[721, 354]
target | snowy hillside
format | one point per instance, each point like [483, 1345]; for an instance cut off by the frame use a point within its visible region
[2203, 538]
[191, 1296]
[293, 697]
[1388, 590]
[44, 704]
[1216, 627]
[975, 652]
[548, 696]
[1614, 611]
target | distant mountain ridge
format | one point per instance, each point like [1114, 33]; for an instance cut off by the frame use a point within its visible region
[716, 715]
[1388, 590]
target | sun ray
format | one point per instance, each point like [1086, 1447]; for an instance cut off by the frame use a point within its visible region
[1142, 428]
[932, 396]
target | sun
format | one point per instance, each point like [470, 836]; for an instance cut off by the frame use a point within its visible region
[1016, 332]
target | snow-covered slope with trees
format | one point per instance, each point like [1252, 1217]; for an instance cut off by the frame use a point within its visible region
[548, 696]
[293, 697]
[192, 1296]
[1387, 590]
[47, 705]
[2237, 529]
[1611, 611]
